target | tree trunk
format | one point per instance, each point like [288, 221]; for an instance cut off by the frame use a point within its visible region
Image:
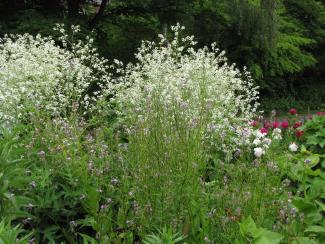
[99, 14]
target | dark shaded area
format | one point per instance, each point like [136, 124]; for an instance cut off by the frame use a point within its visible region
[280, 41]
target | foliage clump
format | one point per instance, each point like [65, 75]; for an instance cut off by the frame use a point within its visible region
[38, 74]
[187, 89]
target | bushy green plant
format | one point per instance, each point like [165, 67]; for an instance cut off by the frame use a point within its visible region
[38, 74]
[12, 235]
[164, 236]
[74, 187]
[178, 105]
[314, 133]
[12, 179]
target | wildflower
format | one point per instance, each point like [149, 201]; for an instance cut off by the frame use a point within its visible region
[286, 182]
[31, 241]
[284, 124]
[35, 70]
[299, 133]
[267, 141]
[254, 123]
[267, 125]
[273, 113]
[264, 130]
[179, 73]
[259, 134]
[73, 223]
[41, 154]
[103, 206]
[320, 113]
[307, 161]
[297, 124]
[276, 134]
[33, 184]
[272, 166]
[258, 152]
[293, 147]
[114, 181]
[248, 195]
[30, 206]
[293, 111]
[275, 125]
[257, 141]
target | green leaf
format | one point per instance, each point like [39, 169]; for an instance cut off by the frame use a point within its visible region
[247, 226]
[312, 140]
[303, 240]
[267, 237]
[321, 205]
[314, 160]
[315, 229]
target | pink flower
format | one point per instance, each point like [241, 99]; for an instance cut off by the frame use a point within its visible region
[299, 133]
[297, 124]
[275, 124]
[293, 111]
[254, 123]
[320, 113]
[267, 125]
[264, 130]
[284, 124]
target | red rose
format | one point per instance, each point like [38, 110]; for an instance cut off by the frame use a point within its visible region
[285, 124]
[275, 124]
[293, 111]
[320, 113]
[297, 124]
[264, 130]
[299, 133]
[267, 125]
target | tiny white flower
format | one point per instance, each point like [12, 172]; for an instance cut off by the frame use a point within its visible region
[293, 147]
[259, 134]
[267, 141]
[258, 152]
[257, 142]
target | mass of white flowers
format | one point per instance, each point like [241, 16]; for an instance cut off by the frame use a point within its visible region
[173, 79]
[38, 73]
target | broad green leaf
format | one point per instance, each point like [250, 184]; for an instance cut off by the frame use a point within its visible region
[303, 240]
[314, 160]
[247, 226]
[267, 237]
[315, 229]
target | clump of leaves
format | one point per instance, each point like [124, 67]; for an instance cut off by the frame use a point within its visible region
[166, 235]
[12, 235]
[315, 133]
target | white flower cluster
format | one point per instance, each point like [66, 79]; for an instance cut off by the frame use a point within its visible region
[276, 134]
[37, 73]
[196, 86]
[293, 147]
[261, 143]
